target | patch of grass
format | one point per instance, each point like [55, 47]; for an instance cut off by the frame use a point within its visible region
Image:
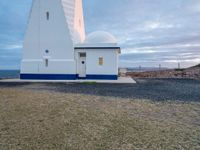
[179, 69]
[51, 120]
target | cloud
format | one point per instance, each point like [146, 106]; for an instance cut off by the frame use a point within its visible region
[149, 31]
[139, 51]
[154, 25]
[14, 17]
[11, 47]
[194, 6]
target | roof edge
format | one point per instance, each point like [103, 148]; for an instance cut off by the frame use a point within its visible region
[97, 47]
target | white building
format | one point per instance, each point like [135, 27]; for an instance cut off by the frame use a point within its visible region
[55, 47]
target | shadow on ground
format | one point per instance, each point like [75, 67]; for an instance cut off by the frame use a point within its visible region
[185, 90]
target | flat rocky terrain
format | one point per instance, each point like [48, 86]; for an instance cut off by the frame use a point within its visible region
[154, 114]
[192, 72]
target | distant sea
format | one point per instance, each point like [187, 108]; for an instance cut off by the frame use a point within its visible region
[9, 74]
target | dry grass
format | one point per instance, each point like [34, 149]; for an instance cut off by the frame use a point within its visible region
[43, 120]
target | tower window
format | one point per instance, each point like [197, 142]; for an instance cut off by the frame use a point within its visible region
[46, 62]
[100, 61]
[47, 15]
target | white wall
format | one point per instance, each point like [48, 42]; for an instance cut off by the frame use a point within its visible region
[110, 58]
[52, 35]
[74, 16]
[79, 25]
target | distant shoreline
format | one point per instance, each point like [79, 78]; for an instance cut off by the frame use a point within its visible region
[6, 74]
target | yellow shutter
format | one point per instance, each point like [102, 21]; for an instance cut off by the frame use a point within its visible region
[101, 61]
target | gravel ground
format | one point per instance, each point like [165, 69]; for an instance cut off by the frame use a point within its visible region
[186, 90]
[154, 114]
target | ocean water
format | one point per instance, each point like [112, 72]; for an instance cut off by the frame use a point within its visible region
[9, 74]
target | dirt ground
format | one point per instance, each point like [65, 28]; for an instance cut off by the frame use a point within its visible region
[151, 115]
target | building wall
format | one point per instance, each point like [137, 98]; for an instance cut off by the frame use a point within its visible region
[52, 40]
[110, 61]
[52, 35]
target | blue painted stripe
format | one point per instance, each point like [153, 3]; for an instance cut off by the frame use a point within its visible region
[66, 77]
[48, 76]
[102, 77]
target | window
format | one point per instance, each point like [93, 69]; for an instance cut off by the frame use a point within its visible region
[100, 61]
[82, 54]
[46, 62]
[47, 15]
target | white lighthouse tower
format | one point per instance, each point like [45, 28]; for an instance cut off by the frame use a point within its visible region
[50, 51]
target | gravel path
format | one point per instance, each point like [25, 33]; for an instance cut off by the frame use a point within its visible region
[185, 90]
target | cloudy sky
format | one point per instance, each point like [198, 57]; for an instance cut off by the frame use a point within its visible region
[150, 32]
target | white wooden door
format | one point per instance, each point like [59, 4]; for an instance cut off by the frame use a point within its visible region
[82, 65]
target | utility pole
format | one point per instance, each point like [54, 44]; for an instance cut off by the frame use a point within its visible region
[160, 66]
[140, 68]
[179, 61]
[179, 65]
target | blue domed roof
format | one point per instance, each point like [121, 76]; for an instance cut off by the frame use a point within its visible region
[100, 37]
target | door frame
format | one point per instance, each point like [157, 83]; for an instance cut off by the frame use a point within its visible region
[82, 58]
